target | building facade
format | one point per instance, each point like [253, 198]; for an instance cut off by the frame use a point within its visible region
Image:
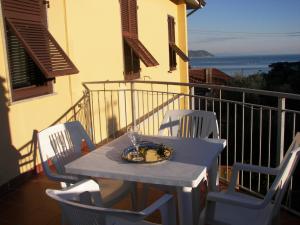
[48, 48]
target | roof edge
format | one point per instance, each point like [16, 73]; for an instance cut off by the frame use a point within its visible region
[194, 4]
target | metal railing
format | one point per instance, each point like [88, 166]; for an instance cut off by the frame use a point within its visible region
[258, 125]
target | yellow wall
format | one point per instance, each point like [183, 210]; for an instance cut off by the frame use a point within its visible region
[90, 33]
[22, 117]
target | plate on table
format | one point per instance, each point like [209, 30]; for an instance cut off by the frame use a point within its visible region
[148, 152]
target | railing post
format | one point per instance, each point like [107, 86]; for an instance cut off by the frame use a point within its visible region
[243, 134]
[132, 92]
[220, 112]
[192, 99]
[89, 114]
[280, 129]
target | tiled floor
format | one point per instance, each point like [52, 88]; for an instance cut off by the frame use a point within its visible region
[29, 205]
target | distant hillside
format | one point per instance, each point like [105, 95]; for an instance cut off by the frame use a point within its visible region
[200, 53]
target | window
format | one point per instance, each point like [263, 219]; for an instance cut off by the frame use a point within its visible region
[133, 49]
[35, 58]
[131, 63]
[173, 49]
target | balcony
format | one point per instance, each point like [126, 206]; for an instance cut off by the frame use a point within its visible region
[258, 126]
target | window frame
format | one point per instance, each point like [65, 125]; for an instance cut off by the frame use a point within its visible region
[134, 72]
[20, 20]
[174, 50]
[32, 91]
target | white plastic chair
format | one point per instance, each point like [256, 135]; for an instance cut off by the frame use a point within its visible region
[235, 208]
[61, 144]
[190, 124]
[186, 124]
[80, 207]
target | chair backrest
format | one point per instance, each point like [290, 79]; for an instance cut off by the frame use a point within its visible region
[190, 124]
[62, 144]
[83, 212]
[286, 169]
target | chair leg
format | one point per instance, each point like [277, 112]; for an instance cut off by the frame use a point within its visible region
[276, 219]
[168, 213]
[196, 202]
[63, 220]
[202, 217]
[207, 214]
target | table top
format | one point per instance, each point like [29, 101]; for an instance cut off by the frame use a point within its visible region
[187, 167]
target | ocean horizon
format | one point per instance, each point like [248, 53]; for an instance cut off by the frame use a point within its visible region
[242, 65]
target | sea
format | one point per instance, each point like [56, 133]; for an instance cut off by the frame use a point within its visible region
[242, 65]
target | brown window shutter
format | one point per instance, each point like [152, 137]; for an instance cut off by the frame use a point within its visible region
[171, 38]
[171, 29]
[173, 48]
[133, 19]
[179, 52]
[141, 51]
[130, 34]
[129, 18]
[24, 71]
[125, 17]
[24, 18]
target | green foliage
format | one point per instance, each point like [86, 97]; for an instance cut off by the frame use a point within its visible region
[283, 77]
[255, 81]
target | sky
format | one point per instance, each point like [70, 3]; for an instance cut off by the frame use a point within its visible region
[243, 27]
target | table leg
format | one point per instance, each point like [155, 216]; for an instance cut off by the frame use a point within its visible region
[213, 177]
[185, 205]
[196, 203]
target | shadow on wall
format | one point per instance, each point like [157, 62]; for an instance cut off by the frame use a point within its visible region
[112, 124]
[9, 155]
[16, 163]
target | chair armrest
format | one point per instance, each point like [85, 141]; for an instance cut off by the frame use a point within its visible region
[251, 168]
[227, 198]
[82, 186]
[78, 192]
[254, 168]
[167, 208]
[157, 204]
[66, 178]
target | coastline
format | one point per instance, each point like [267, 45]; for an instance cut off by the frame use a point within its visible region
[242, 65]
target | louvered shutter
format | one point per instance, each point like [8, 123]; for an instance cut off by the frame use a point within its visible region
[171, 29]
[25, 20]
[172, 44]
[24, 71]
[133, 20]
[180, 53]
[141, 51]
[130, 32]
[125, 18]
[171, 34]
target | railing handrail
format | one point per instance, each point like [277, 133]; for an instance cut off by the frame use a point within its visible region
[260, 129]
[212, 86]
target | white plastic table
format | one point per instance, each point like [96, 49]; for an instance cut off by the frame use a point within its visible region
[191, 160]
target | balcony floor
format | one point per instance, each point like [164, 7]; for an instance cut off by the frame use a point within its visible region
[29, 205]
